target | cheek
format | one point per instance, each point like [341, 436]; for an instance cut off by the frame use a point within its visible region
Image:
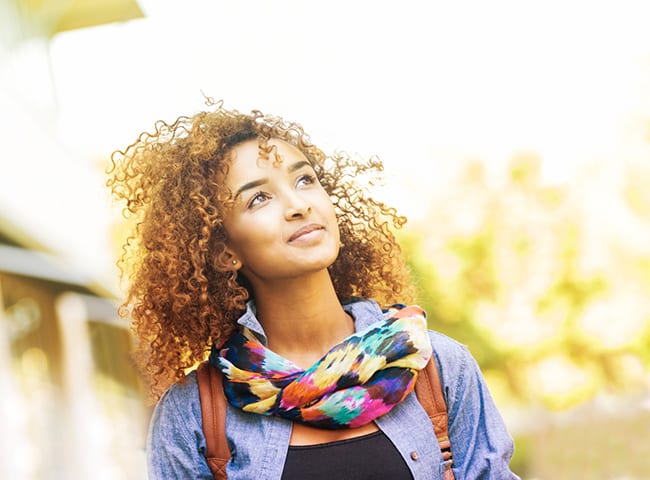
[324, 203]
[248, 238]
[332, 214]
[235, 236]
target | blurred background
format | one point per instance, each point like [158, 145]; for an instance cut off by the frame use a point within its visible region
[515, 136]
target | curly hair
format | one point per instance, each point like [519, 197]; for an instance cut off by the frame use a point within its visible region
[180, 300]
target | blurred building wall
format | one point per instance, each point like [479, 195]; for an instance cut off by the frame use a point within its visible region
[68, 386]
[71, 404]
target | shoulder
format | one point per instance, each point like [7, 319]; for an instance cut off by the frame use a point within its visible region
[181, 401]
[176, 419]
[175, 443]
[480, 439]
[458, 368]
[449, 353]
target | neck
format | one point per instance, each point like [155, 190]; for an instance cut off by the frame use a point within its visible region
[302, 318]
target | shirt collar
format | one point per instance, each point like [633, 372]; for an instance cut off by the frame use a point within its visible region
[364, 312]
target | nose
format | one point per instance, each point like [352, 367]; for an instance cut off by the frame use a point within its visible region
[296, 206]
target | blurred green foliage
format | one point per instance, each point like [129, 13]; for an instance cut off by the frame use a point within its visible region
[548, 285]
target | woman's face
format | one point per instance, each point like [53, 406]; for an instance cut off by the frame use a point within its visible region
[282, 224]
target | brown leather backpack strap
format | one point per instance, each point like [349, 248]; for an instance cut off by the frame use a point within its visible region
[428, 389]
[213, 410]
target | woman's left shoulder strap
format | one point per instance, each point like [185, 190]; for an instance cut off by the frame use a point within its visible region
[428, 389]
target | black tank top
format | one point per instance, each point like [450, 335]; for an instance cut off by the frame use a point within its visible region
[368, 457]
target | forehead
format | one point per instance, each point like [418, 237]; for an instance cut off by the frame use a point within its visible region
[252, 151]
[249, 158]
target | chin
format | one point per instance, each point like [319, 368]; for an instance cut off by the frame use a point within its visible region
[322, 264]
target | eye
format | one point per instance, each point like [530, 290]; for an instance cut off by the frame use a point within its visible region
[306, 179]
[257, 199]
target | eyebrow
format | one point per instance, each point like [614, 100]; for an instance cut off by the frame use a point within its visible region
[256, 183]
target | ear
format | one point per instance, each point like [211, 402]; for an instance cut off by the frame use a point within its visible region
[228, 261]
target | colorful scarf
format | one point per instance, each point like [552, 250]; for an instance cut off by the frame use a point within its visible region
[356, 381]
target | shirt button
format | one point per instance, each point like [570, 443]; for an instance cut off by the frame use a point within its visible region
[414, 455]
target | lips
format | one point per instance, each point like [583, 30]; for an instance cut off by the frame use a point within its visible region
[304, 231]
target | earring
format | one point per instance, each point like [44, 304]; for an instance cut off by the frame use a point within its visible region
[234, 262]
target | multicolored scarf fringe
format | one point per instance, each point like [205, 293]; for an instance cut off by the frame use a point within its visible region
[358, 380]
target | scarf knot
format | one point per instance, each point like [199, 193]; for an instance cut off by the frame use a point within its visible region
[356, 381]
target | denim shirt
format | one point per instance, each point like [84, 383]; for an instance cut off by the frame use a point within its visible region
[480, 443]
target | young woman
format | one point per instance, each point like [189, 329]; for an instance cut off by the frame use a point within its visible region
[249, 242]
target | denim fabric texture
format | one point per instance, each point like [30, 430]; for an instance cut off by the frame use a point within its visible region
[481, 445]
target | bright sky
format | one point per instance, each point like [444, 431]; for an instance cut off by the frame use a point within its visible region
[421, 84]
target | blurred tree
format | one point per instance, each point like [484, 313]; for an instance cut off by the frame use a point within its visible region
[529, 277]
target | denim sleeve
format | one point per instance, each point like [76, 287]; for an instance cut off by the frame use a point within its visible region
[481, 445]
[175, 443]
